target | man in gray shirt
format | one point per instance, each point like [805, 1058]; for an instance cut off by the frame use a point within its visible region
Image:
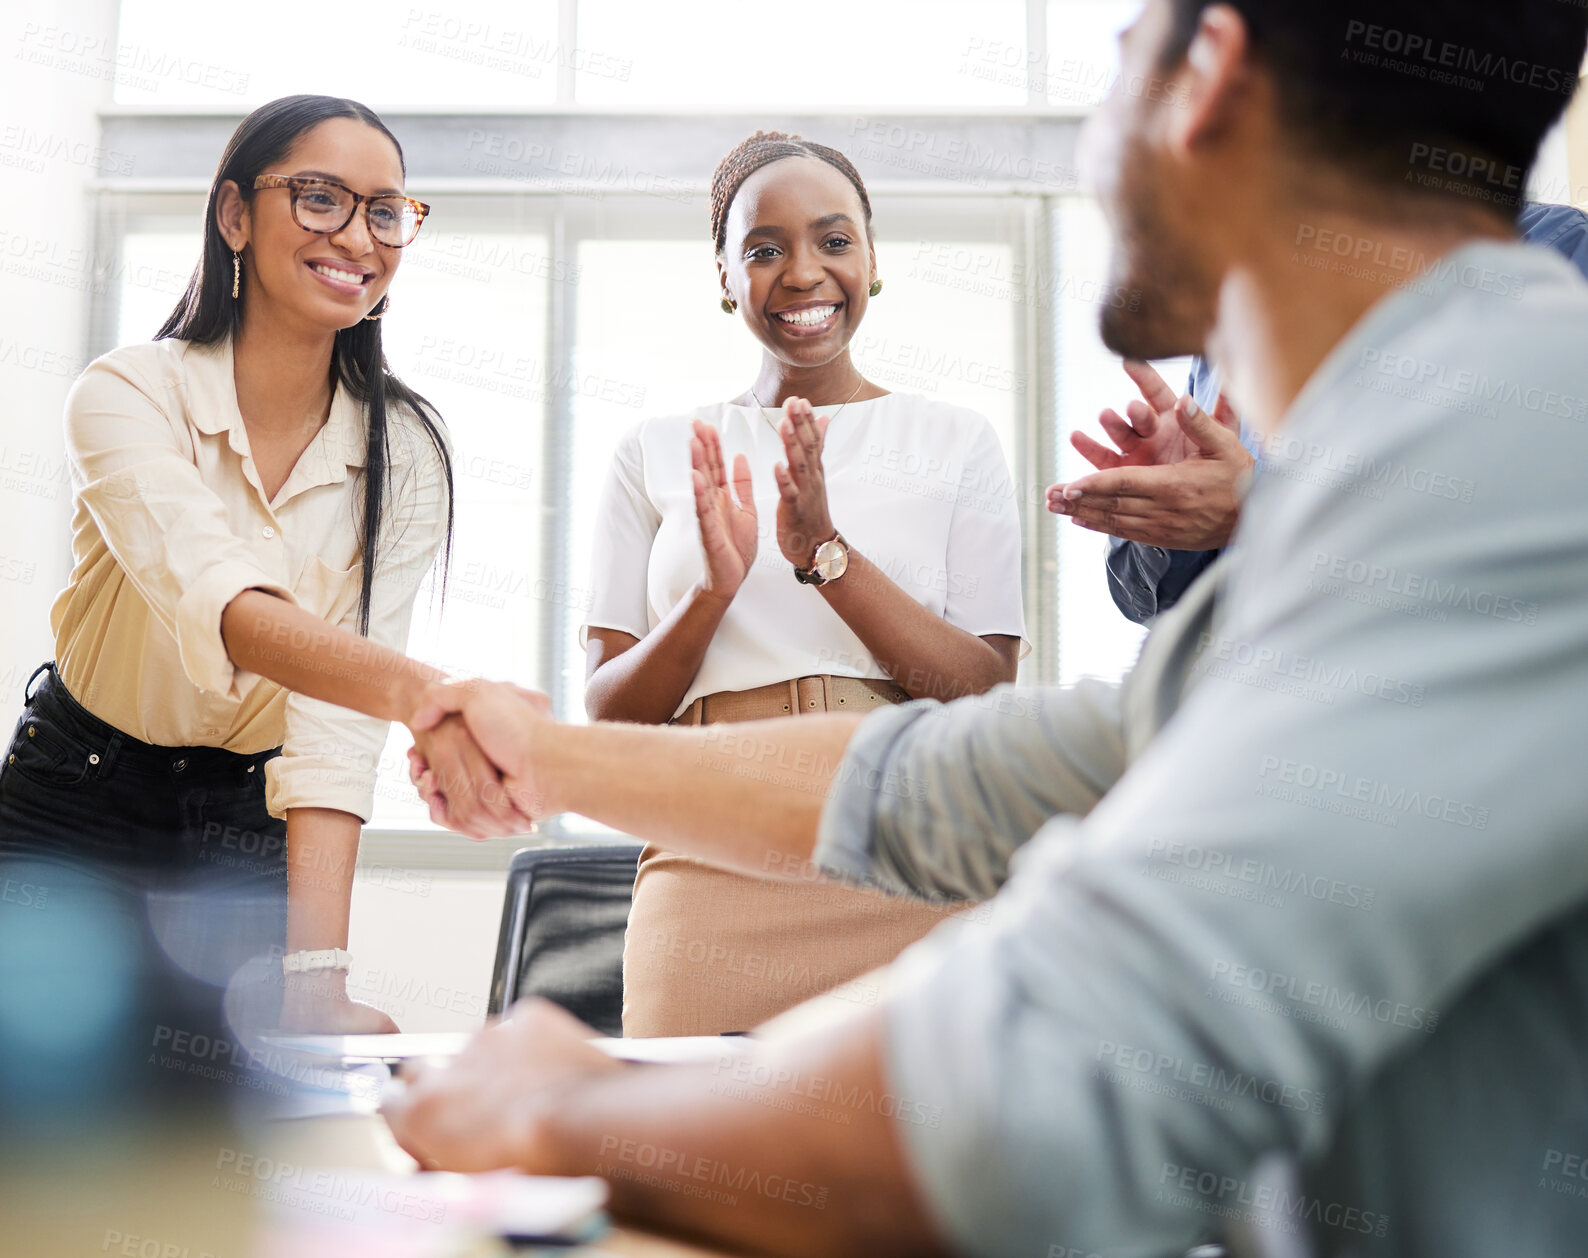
[1312, 883]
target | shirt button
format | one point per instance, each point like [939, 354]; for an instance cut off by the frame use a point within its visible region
[269, 532]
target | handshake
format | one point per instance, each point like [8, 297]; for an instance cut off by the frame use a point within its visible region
[474, 756]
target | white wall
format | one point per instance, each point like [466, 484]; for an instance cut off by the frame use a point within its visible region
[58, 59]
[423, 945]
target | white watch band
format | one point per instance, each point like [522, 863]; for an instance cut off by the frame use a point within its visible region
[314, 962]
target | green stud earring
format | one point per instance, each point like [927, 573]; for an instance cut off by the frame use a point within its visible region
[729, 306]
[876, 287]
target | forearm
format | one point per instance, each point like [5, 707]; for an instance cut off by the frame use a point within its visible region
[647, 682]
[747, 796]
[927, 656]
[322, 848]
[798, 1148]
[296, 649]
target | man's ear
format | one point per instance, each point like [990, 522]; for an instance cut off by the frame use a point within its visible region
[1216, 77]
[231, 215]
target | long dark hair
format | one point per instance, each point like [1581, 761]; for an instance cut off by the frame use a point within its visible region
[206, 313]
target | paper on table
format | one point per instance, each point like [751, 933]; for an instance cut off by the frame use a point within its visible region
[401, 1046]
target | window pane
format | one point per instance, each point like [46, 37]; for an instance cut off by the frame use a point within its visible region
[944, 328]
[1095, 640]
[1083, 52]
[465, 53]
[154, 271]
[726, 53]
[467, 329]
[640, 358]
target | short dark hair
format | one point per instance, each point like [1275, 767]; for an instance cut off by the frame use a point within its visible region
[1371, 87]
[762, 149]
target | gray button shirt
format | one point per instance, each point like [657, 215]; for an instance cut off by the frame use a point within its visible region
[1312, 882]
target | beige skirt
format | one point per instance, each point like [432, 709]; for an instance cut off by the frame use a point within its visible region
[710, 951]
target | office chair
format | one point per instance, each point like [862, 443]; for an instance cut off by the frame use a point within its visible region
[563, 919]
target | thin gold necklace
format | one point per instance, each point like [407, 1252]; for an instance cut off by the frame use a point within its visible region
[762, 408]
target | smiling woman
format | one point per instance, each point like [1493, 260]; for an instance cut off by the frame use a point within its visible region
[253, 490]
[866, 553]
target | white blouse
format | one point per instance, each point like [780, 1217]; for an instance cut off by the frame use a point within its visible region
[170, 523]
[918, 487]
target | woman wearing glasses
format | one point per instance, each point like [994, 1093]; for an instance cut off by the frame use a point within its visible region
[866, 553]
[256, 500]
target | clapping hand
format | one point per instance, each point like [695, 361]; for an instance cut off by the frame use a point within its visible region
[1176, 478]
[728, 523]
[803, 519]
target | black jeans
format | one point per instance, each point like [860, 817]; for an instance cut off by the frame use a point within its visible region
[185, 825]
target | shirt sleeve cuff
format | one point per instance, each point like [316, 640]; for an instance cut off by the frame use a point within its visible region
[846, 837]
[198, 625]
[345, 783]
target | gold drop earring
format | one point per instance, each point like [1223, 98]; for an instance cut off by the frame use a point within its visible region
[237, 272]
[729, 306]
[876, 287]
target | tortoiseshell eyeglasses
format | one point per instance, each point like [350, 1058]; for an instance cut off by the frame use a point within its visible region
[326, 207]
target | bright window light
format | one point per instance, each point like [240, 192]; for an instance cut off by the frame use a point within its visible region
[501, 54]
[735, 53]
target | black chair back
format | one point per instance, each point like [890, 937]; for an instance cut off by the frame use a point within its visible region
[563, 920]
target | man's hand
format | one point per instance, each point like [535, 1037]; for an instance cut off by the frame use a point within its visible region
[501, 719]
[1177, 476]
[319, 1003]
[463, 788]
[478, 1112]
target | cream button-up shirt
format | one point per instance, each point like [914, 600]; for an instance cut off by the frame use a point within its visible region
[170, 523]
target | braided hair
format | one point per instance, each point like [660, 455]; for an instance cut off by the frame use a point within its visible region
[762, 149]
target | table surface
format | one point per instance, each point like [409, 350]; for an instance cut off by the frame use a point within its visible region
[363, 1142]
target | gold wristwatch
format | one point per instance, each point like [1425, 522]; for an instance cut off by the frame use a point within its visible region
[830, 562]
